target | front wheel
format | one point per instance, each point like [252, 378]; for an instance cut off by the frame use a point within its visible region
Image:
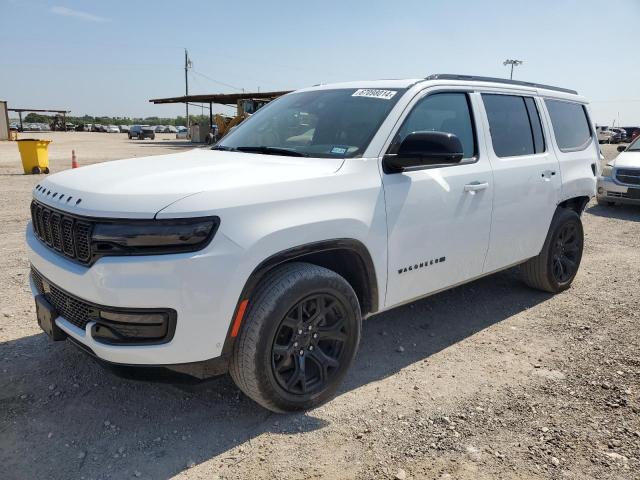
[556, 266]
[298, 338]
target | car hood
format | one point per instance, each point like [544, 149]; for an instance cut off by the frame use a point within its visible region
[627, 160]
[140, 187]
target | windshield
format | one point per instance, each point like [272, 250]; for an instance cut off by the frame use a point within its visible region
[635, 145]
[319, 123]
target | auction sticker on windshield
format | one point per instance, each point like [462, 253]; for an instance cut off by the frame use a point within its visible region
[374, 93]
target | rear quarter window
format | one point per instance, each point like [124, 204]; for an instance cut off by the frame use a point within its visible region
[570, 125]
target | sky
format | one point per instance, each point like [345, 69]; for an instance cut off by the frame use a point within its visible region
[110, 58]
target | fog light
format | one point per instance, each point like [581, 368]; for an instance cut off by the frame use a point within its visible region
[600, 190]
[134, 327]
[145, 318]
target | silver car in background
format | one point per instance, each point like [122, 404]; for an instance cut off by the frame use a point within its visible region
[620, 179]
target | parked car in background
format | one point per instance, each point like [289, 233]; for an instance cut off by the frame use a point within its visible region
[632, 133]
[606, 135]
[135, 130]
[170, 129]
[112, 129]
[621, 131]
[83, 127]
[124, 128]
[620, 180]
[96, 127]
[159, 128]
[182, 133]
[263, 255]
[147, 132]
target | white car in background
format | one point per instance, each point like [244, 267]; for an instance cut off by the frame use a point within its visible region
[620, 180]
[111, 129]
[605, 135]
[182, 133]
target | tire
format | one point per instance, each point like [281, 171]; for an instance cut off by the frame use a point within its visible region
[45, 170]
[153, 137]
[556, 266]
[129, 136]
[282, 335]
[36, 171]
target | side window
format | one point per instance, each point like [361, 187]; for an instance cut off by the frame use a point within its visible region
[570, 124]
[442, 112]
[515, 125]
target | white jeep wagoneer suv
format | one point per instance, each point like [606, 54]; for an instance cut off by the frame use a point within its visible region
[262, 255]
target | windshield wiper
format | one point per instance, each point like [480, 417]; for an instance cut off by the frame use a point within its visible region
[223, 148]
[272, 151]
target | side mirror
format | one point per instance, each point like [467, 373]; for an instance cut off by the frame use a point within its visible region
[420, 149]
[621, 148]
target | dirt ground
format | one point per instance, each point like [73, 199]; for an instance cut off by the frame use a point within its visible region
[493, 380]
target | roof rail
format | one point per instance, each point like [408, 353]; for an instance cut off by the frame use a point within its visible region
[473, 78]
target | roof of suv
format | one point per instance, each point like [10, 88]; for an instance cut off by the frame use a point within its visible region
[407, 83]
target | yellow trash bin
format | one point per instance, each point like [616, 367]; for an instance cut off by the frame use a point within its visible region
[34, 154]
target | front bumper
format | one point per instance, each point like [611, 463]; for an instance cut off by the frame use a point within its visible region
[611, 191]
[191, 284]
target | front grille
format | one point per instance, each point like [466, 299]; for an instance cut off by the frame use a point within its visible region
[72, 309]
[63, 233]
[629, 176]
[632, 193]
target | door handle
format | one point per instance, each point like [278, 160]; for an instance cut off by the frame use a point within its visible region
[474, 187]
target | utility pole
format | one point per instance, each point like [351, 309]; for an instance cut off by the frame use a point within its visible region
[187, 66]
[513, 63]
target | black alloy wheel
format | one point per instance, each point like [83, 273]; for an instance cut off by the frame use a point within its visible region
[309, 344]
[299, 336]
[567, 246]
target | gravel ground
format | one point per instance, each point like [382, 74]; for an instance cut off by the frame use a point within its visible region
[489, 380]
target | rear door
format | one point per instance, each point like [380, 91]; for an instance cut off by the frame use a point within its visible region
[526, 177]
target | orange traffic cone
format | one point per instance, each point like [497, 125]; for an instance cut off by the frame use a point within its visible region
[74, 162]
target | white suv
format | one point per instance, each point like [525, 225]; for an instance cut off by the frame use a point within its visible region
[261, 256]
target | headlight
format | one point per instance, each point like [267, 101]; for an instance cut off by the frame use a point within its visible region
[145, 237]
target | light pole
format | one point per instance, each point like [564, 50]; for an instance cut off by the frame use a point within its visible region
[513, 63]
[187, 65]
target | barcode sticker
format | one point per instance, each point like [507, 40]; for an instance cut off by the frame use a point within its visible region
[374, 93]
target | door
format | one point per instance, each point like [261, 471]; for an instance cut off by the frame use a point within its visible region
[526, 177]
[438, 218]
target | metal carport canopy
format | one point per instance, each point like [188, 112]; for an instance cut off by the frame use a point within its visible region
[220, 98]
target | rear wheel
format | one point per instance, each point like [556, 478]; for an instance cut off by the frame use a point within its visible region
[36, 170]
[298, 338]
[556, 266]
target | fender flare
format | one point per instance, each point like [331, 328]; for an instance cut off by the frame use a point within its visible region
[293, 253]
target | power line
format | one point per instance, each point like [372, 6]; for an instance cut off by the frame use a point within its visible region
[240, 89]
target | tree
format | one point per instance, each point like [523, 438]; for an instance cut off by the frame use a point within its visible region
[37, 118]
